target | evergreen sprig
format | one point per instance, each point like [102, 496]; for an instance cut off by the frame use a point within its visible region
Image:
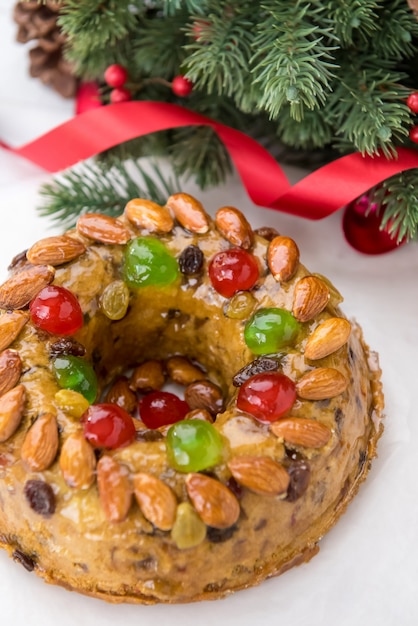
[94, 187]
[397, 201]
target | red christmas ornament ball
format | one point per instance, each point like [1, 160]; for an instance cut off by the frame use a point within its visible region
[413, 134]
[120, 94]
[181, 86]
[412, 102]
[115, 75]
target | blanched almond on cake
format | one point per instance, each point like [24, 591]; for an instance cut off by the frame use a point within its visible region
[115, 488]
[103, 228]
[182, 371]
[189, 212]
[310, 297]
[55, 250]
[234, 226]
[283, 258]
[11, 323]
[22, 287]
[11, 410]
[10, 370]
[260, 474]
[215, 503]
[40, 445]
[321, 383]
[327, 338]
[156, 500]
[300, 431]
[149, 216]
[77, 462]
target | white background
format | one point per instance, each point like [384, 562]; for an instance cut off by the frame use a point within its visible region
[367, 568]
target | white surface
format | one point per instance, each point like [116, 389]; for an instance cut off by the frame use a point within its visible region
[367, 568]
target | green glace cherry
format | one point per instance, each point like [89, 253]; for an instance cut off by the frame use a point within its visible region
[269, 330]
[148, 262]
[193, 445]
[74, 373]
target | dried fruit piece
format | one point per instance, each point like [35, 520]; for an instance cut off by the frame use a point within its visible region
[74, 373]
[40, 497]
[77, 462]
[327, 338]
[148, 376]
[215, 503]
[24, 560]
[258, 366]
[310, 297]
[267, 396]
[10, 370]
[203, 394]
[11, 323]
[148, 262]
[240, 306]
[40, 445]
[149, 216]
[103, 228]
[233, 270]
[11, 409]
[191, 260]
[193, 445]
[108, 426]
[189, 212]
[283, 258]
[321, 383]
[188, 530]
[55, 250]
[56, 310]
[267, 232]
[156, 500]
[66, 345]
[115, 488]
[72, 402]
[300, 431]
[234, 226]
[299, 473]
[121, 394]
[114, 301]
[260, 474]
[271, 329]
[160, 408]
[182, 371]
[22, 287]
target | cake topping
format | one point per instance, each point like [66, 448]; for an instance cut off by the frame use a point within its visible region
[108, 426]
[269, 330]
[283, 258]
[11, 323]
[214, 502]
[10, 370]
[11, 410]
[148, 215]
[103, 228]
[114, 301]
[321, 383]
[77, 462]
[115, 488]
[40, 497]
[327, 338]
[267, 396]
[156, 500]
[72, 372]
[234, 227]
[262, 364]
[299, 431]
[148, 262]
[260, 474]
[56, 310]
[189, 212]
[55, 250]
[22, 287]
[233, 270]
[188, 530]
[240, 306]
[191, 260]
[193, 445]
[310, 297]
[160, 408]
[40, 445]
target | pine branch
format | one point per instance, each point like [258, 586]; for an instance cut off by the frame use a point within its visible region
[352, 21]
[96, 188]
[397, 200]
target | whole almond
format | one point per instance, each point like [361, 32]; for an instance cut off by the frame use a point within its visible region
[300, 431]
[55, 250]
[234, 226]
[189, 212]
[115, 488]
[321, 383]
[40, 445]
[214, 502]
[149, 376]
[204, 394]
[121, 394]
[260, 474]
[10, 370]
[283, 258]
[103, 228]
[22, 287]
[327, 338]
[156, 500]
[182, 371]
[310, 297]
[199, 414]
[11, 323]
[149, 216]
[11, 410]
[77, 462]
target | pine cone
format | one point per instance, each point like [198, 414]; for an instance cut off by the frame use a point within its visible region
[46, 60]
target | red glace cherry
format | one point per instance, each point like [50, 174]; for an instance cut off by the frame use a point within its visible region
[267, 396]
[233, 270]
[108, 426]
[160, 408]
[56, 310]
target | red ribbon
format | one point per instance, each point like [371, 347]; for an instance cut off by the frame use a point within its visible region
[318, 195]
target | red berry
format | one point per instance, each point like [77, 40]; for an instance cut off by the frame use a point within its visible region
[56, 310]
[120, 94]
[181, 86]
[160, 408]
[267, 396]
[412, 102]
[108, 426]
[413, 134]
[233, 270]
[115, 75]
